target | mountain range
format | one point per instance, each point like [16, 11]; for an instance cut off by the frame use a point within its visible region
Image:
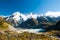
[33, 21]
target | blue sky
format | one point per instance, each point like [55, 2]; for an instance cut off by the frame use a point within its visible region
[7, 7]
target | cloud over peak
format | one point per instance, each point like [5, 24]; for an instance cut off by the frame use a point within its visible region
[52, 14]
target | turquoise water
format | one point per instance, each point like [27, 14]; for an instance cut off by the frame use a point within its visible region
[42, 30]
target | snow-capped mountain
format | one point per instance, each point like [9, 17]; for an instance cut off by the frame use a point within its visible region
[18, 19]
[15, 18]
[29, 22]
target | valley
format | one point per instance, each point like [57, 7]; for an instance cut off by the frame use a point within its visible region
[16, 27]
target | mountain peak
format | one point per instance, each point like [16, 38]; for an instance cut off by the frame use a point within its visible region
[16, 16]
[16, 13]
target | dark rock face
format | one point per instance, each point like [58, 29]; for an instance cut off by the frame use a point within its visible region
[30, 23]
[58, 23]
[54, 27]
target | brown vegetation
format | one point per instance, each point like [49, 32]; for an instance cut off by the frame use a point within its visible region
[10, 35]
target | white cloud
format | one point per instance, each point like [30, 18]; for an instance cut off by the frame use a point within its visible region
[52, 14]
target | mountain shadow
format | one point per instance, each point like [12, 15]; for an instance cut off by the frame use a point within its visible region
[54, 27]
[31, 23]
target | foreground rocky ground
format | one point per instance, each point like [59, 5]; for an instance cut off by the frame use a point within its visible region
[10, 35]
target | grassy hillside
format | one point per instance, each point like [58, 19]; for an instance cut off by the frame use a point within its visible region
[3, 24]
[9, 35]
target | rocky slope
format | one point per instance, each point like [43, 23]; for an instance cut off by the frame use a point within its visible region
[29, 21]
